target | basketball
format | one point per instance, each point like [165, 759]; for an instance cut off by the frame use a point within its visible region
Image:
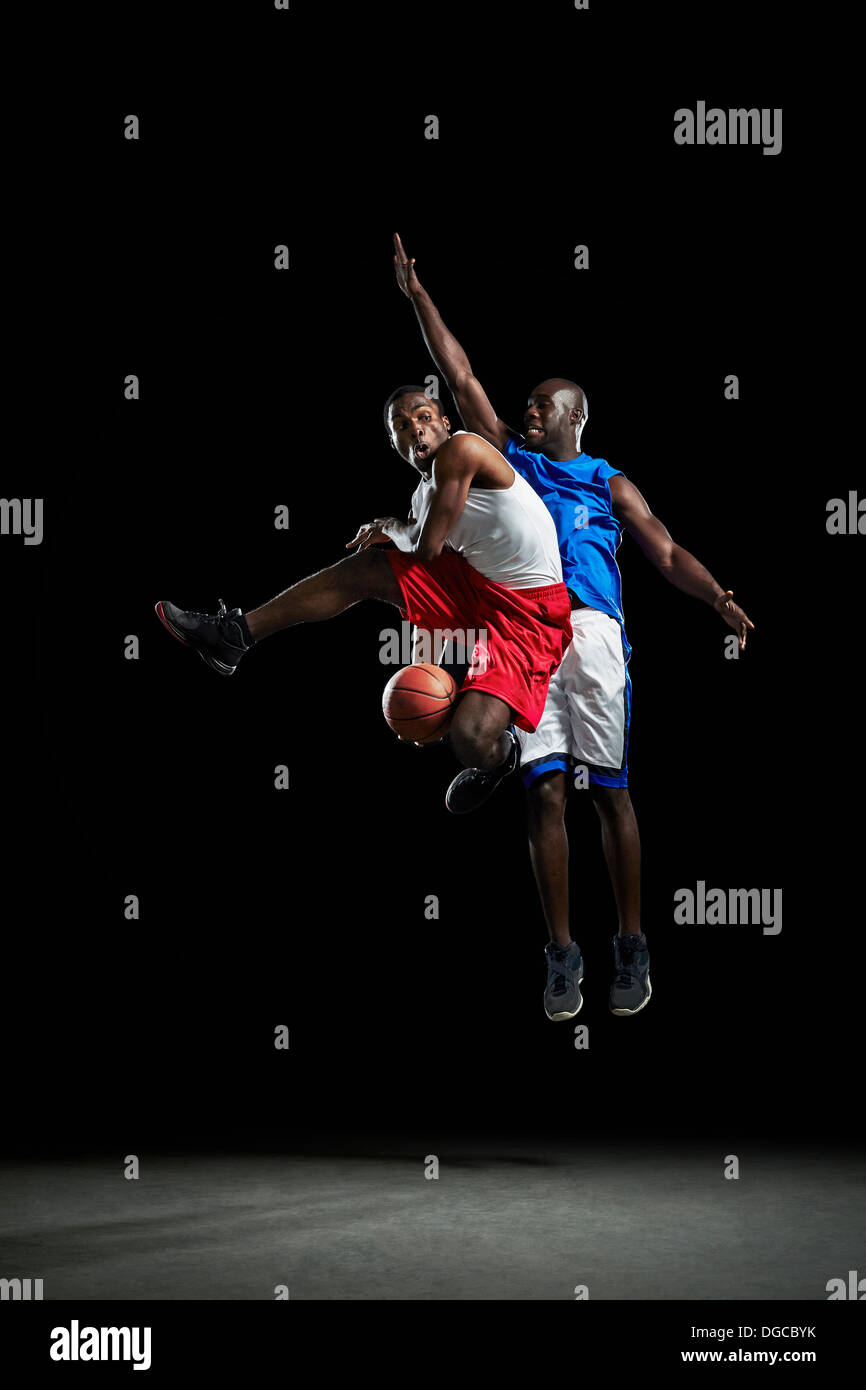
[418, 703]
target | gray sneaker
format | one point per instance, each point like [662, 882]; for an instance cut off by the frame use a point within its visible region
[631, 988]
[562, 998]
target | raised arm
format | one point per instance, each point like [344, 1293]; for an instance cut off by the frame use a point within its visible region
[677, 565]
[473, 404]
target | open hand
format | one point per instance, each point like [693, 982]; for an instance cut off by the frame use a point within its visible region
[733, 616]
[372, 533]
[405, 270]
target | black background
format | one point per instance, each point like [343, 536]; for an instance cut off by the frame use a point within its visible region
[260, 388]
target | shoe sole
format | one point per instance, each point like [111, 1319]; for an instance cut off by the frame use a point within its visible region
[562, 1018]
[208, 660]
[624, 1013]
[467, 811]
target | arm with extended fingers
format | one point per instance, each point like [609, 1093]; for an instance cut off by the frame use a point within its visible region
[677, 565]
[473, 403]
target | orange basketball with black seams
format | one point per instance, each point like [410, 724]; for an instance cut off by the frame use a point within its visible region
[418, 703]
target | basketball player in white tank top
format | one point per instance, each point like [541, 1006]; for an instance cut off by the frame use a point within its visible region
[504, 530]
[470, 500]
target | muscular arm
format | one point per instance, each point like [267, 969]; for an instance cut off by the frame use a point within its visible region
[473, 403]
[456, 464]
[677, 565]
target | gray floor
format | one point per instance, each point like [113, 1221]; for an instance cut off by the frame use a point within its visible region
[503, 1221]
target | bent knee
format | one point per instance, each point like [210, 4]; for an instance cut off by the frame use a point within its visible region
[467, 744]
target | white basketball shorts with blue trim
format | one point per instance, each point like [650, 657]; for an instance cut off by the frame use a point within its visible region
[586, 718]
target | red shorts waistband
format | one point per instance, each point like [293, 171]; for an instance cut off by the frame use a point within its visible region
[548, 591]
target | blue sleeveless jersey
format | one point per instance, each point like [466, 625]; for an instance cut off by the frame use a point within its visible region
[577, 495]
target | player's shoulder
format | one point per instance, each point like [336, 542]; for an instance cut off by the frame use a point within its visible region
[464, 448]
[616, 479]
[600, 467]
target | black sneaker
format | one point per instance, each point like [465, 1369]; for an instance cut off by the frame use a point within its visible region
[473, 786]
[562, 998]
[220, 641]
[631, 988]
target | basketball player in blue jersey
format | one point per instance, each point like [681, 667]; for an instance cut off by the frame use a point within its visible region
[586, 718]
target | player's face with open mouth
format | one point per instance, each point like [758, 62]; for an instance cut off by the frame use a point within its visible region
[417, 430]
[539, 419]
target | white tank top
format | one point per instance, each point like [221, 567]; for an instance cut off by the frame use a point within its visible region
[507, 534]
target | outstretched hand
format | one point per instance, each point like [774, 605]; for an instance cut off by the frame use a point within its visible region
[733, 616]
[405, 269]
[372, 533]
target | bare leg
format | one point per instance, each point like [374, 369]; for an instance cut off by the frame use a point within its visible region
[548, 850]
[477, 733]
[621, 843]
[324, 595]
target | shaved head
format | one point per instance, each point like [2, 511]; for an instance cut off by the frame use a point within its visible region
[555, 415]
[573, 396]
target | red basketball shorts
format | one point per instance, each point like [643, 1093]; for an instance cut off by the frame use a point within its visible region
[521, 634]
